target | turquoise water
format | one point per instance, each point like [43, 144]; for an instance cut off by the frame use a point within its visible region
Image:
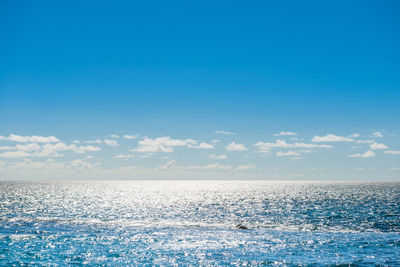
[194, 223]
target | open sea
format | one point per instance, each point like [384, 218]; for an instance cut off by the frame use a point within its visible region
[191, 223]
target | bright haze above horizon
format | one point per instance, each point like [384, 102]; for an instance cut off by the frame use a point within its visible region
[200, 90]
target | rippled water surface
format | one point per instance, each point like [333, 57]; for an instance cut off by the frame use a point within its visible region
[194, 223]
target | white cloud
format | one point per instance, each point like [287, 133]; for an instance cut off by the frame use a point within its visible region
[7, 148]
[32, 139]
[74, 148]
[83, 149]
[288, 154]
[80, 164]
[97, 141]
[40, 165]
[285, 133]
[59, 147]
[46, 150]
[392, 152]
[264, 147]
[235, 147]
[127, 136]
[368, 154]
[145, 156]
[293, 153]
[25, 150]
[245, 167]
[28, 147]
[215, 141]
[162, 144]
[331, 138]
[169, 164]
[376, 146]
[377, 134]
[214, 166]
[354, 135]
[42, 139]
[123, 156]
[47, 154]
[222, 156]
[110, 142]
[202, 146]
[114, 136]
[394, 169]
[224, 132]
[14, 154]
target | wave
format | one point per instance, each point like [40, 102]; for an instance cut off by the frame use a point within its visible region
[41, 221]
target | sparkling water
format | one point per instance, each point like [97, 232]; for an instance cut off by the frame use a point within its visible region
[198, 223]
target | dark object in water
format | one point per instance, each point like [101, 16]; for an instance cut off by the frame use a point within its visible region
[239, 226]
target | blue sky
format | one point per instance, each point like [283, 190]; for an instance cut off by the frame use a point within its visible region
[185, 70]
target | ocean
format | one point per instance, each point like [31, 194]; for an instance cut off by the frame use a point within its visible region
[192, 223]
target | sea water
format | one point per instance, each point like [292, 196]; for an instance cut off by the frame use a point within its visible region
[195, 223]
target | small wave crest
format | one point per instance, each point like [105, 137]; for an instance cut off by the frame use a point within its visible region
[187, 224]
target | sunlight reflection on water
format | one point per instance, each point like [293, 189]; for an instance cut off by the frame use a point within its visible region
[191, 222]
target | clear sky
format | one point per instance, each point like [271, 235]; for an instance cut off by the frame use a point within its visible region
[307, 89]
